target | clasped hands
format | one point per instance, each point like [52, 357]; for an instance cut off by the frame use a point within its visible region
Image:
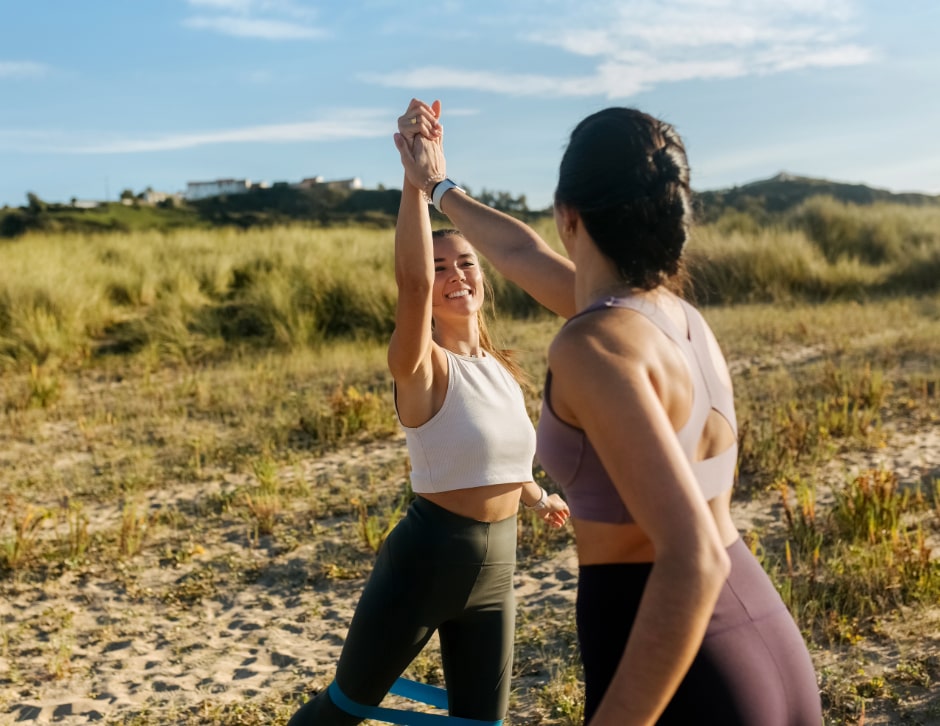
[420, 143]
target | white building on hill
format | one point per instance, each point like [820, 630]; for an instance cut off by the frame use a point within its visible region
[203, 190]
[350, 184]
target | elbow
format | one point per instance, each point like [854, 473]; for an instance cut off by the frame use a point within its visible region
[704, 565]
[417, 284]
[714, 566]
[720, 564]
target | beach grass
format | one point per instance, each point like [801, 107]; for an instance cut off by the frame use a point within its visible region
[197, 417]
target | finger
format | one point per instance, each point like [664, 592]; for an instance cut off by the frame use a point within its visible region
[422, 122]
[407, 124]
[417, 104]
[419, 108]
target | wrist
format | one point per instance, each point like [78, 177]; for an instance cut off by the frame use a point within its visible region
[441, 188]
[540, 504]
[431, 182]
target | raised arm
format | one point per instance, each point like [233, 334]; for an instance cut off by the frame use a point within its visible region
[410, 348]
[513, 248]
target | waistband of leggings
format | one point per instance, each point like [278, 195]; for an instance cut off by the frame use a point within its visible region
[437, 513]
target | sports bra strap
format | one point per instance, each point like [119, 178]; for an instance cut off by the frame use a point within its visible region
[648, 310]
[694, 343]
[720, 395]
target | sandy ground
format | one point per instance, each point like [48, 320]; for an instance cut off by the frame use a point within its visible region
[115, 641]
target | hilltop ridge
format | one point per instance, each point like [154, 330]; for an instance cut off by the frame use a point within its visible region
[784, 191]
[764, 200]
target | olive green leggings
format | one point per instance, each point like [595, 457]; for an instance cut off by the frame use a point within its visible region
[436, 571]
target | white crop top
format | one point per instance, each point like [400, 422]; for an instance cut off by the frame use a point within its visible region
[482, 435]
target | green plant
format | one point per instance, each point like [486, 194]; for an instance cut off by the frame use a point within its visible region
[25, 521]
[263, 508]
[264, 504]
[133, 531]
[76, 540]
[839, 573]
[44, 388]
[374, 528]
[804, 531]
[60, 664]
[563, 695]
[869, 508]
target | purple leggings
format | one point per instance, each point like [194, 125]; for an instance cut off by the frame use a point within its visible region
[753, 668]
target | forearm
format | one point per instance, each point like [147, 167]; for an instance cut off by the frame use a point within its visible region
[668, 630]
[413, 246]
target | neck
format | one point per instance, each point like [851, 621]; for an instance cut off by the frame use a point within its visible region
[597, 276]
[598, 279]
[462, 340]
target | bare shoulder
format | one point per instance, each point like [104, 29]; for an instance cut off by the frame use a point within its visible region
[614, 336]
[597, 359]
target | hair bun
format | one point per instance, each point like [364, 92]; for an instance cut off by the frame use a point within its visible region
[665, 165]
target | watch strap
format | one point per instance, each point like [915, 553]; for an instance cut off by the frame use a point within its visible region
[439, 190]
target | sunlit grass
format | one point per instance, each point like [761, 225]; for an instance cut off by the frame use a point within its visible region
[135, 365]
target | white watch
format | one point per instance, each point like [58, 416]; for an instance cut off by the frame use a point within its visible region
[540, 504]
[439, 190]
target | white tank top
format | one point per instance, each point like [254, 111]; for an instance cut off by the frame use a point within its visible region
[482, 435]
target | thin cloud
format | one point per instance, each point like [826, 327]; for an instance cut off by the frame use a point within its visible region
[24, 140]
[231, 6]
[643, 44]
[359, 125]
[22, 69]
[253, 28]
[261, 7]
[504, 83]
[265, 19]
[614, 80]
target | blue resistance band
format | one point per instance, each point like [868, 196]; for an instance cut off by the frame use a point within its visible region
[414, 691]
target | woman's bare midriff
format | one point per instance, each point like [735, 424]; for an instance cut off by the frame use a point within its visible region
[491, 503]
[601, 543]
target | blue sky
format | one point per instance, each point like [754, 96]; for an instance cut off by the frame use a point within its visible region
[99, 96]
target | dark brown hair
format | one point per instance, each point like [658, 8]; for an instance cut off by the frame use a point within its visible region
[627, 175]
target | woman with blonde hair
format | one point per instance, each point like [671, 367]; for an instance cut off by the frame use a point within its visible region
[448, 566]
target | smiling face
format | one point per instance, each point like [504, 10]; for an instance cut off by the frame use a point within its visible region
[458, 277]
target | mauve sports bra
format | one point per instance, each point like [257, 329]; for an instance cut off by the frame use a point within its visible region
[569, 459]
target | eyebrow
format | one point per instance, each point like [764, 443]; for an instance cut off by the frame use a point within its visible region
[464, 256]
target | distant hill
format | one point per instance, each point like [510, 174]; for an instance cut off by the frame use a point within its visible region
[320, 205]
[784, 191]
[763, 201]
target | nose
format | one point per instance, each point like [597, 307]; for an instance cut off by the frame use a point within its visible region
[458, 274]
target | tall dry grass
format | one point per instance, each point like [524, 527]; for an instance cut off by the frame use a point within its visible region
[169, 358]
[192, 295]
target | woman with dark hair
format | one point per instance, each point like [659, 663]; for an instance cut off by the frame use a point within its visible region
[677, 621]
[448, 566]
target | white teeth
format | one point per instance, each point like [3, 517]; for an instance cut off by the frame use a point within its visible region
[458, 293]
